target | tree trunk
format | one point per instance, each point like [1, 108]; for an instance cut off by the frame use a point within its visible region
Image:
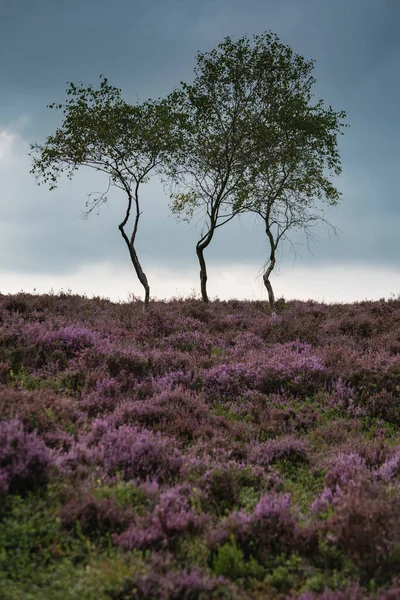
[146, 292]
[138, 268]
[271, 265]
[141, 276]
[271, 296]
[203, 272]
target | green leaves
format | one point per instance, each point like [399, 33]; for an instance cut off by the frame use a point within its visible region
[250, 130]
[102, 131]
[184, 203]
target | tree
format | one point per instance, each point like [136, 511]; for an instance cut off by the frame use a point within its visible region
[252, 141]
[126, 142]
[209, 166]
[291, 154]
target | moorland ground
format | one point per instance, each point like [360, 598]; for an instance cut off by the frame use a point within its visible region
[198, 451]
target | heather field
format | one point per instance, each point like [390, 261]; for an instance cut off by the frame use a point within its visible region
[198, 451]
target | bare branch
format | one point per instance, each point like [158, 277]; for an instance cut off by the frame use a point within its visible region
[97, 202]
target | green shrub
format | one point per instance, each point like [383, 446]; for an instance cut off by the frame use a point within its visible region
[229, 562]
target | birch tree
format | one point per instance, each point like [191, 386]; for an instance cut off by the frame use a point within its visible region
[293, 157]
[126, 142]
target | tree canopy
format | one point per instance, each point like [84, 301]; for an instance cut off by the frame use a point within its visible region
[126, 142]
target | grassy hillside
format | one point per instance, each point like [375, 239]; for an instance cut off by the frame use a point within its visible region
[198, 452]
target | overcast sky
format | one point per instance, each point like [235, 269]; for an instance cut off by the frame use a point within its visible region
[146, 47]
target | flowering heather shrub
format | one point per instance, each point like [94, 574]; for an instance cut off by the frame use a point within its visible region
[305, 418]
[366, 525]
[172, 380]
[172, 517]
[393, 592]
[103, 399]
[91, 360]
[71, 337]
[292, 365]
[278, 414]
[17, 303]
[381, 374]
[215, 451]
[272, 528]
[165, 360]
[359, 327]
[145, 534]
[129, 361]
[15, 350]
[188, 341]
[375, 452]
[352, 592]
[107, 386]
[230, 380]
[272, 451]
[11, 326]
[224, 485]
[389, 340]
[133, 452]
[229, 321]
[235, 430]
[155, 324]
[58, 345]
[24, 459]
[40, 410]
[343, 470]
[342, 398]
[245, 342]
[95, 517]
[175, 512]
[191, 324]
[390, 469]
[347, 359]
[383, 404]
[150, 488]
[339, 432]
[58, 440]
[273, 413]
[339, 356]
[304, 321]
[77, 460]
[179, 412]
[323, 501]
[198, 586]
[188, 585]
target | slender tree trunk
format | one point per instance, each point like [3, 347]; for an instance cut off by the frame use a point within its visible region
[141, 276]
[131, 242]
[267, 283]
[138, 268]
[206, 239]
[200, 247]
[203, 272]
[270, 268]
